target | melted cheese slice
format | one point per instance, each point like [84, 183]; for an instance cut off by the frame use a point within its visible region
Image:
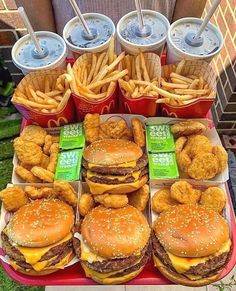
[33, 255]
[124, 165]
[87, 255]
[181, 265]
[96, 188]
[121, 178]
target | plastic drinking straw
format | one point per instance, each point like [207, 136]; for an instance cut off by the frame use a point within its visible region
[30, 30]
[207, 18]
[81, 18]
[140, 14]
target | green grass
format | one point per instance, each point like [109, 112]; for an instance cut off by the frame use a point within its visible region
[7, 284]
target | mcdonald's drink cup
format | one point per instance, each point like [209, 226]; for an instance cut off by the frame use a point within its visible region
[78, 41]
[27, 59]
[181, 43]
[150, 39]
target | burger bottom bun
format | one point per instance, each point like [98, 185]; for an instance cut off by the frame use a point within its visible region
[116, 280]
[182, 280]
[43, 272]
[119, 188]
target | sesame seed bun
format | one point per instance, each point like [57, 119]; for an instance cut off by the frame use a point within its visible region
[191, 230]
[41, 223]
[182, 280]
[112, 152]
[115, 233]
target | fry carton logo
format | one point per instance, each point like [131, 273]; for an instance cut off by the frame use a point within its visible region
[55, 123]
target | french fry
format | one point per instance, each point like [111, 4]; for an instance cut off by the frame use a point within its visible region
[133, 68]
[128, 65]
[126, 86]
[178, 81]
[53, 93]
[173, 85]
[194, 84]
[98, 65]
[34, 104]
[192, 91]
[110, 79]
[201, 83]
[143, 65]
[179, 67]
[110, 51]
[64, 100]
[180, 77]
[73, 82]
[137, 68]
[111, 88]
[94, 61]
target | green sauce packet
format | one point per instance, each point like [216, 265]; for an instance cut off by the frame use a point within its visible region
[72, 136]
[160, 138]
[69, 165]
[163, 166]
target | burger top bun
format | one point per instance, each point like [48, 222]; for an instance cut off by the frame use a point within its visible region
[115, 233]
[112, 151]
[191, 231]
[41, 223]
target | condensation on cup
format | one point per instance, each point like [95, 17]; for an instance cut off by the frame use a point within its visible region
[151, 39]
[27, 59]
[78, 41]
[182, 45]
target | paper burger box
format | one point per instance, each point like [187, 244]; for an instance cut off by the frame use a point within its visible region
[211, 133]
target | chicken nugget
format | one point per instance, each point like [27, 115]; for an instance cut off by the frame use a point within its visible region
[138, 132]
[183, 161]
[42, 174]
[91, 120]
[161, 201]
[55, 138]
[34, 133]
[204, 167]
[26, 175]
[102, 134]
[180, 143]
[86, 204]
[91, 134]
[222, 157]
[13, 198]
[27, 152]
[26, 166]
[127, 134]
[199, 144]
[54, 150]
[47, 144]
[112, 200]
[39, 193]
[139, 198]
[213, 198]
[66, 192]
[118, 127]
[44, 161]
[187, 127]
[184, 193]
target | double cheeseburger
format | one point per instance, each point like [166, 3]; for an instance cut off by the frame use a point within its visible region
[191, 244]
[114, 166]
[38, 237]
[114, 244]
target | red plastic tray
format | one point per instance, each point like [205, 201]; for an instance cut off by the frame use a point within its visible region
[74, 275]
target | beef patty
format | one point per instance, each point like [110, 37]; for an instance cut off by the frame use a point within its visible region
[141, 163]
[113, 265]
[210, 267]
[59, 252]
[103, 179]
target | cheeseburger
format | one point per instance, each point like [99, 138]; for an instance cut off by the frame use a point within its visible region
[114, 166]
[114, 244]
[191, 244]
[38, 237]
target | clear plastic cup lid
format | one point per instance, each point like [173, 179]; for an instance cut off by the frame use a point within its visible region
[100, 27]
[27, 55]
[182, 35]
[155, 28]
